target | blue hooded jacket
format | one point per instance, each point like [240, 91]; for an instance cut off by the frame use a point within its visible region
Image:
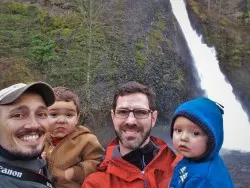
[209, 171]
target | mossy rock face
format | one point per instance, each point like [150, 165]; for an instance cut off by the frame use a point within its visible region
[94, 46]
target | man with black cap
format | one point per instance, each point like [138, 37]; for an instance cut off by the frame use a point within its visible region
[23, 123]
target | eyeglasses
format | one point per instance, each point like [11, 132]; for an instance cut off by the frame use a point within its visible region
[138, 113]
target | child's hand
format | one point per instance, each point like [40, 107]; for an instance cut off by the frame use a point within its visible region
[69, 173]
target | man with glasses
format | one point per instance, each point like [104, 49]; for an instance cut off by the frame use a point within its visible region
[134, 158]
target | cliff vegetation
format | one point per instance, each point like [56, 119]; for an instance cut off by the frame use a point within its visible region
[226, 26]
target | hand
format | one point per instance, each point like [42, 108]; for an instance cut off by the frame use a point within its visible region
[69, 173]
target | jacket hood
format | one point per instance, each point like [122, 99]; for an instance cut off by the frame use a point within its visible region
[207, 114]
[80, 129]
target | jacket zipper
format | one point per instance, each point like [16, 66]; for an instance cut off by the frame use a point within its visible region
[143, 172]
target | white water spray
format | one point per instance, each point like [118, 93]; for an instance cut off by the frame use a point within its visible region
[236, 124]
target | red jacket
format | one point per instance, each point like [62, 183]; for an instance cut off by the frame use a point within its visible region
[114, 172]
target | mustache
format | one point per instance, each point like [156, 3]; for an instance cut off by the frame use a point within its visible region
[131, 127]
[30, 131]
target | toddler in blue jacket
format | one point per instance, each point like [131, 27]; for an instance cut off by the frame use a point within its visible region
[197, 132]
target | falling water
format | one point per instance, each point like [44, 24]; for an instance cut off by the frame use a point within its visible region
[236, 124]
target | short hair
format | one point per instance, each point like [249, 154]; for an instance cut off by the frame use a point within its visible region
[135, 87]
[66, 94]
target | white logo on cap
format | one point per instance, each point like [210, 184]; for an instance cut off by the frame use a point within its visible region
[8, 90]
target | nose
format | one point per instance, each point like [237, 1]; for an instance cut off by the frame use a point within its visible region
[33, 123]
[61, 119]
[131, 118]
[184, 136]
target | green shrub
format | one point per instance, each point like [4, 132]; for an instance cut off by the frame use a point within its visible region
[20, 8]
[42, 51]
[140, 45]
[140, 59]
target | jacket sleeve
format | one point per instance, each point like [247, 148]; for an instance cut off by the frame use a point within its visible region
[91, 156]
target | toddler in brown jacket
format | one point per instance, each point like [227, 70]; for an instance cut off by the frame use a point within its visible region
[71, 150]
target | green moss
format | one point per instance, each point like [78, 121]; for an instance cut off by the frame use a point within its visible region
[140, 45]
[57, 22]
[46, 22]
[20, 8]
[72, 20]
[168, 42]
[140, 59]
[156, 37]
[17, 8]
[161, 25]
[156, 34]
[236, 58]
[236, 53]
[223, 22]
[194, 6]
[66, 32]
[66, 21]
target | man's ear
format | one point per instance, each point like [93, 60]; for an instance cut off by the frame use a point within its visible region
[112, 114]
[154, 117]
[78, 118]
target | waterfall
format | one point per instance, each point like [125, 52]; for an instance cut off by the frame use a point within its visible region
[236, 124]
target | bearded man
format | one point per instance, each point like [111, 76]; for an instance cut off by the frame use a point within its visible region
[134, 158]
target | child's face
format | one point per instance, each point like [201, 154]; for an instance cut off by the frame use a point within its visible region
[188, 138]
[63, 118]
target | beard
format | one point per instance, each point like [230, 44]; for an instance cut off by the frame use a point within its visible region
[19, 154]
[28, 155]
[31, 152]
[133, 143]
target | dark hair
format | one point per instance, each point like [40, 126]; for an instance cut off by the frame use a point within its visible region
[135, 87]
[66, 94]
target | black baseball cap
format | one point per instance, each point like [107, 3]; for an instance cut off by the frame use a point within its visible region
[13, 92]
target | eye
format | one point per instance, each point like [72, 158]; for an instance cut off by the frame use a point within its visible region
[53, 114]
[177, 130]
[141, 112]
[43, 114]
[17, 115]
[69, 115]
[122, 112]
[195, 133]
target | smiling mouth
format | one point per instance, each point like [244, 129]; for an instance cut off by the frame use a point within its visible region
[27, 138]
[130, 134]
[130, 131]
[30, 135]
